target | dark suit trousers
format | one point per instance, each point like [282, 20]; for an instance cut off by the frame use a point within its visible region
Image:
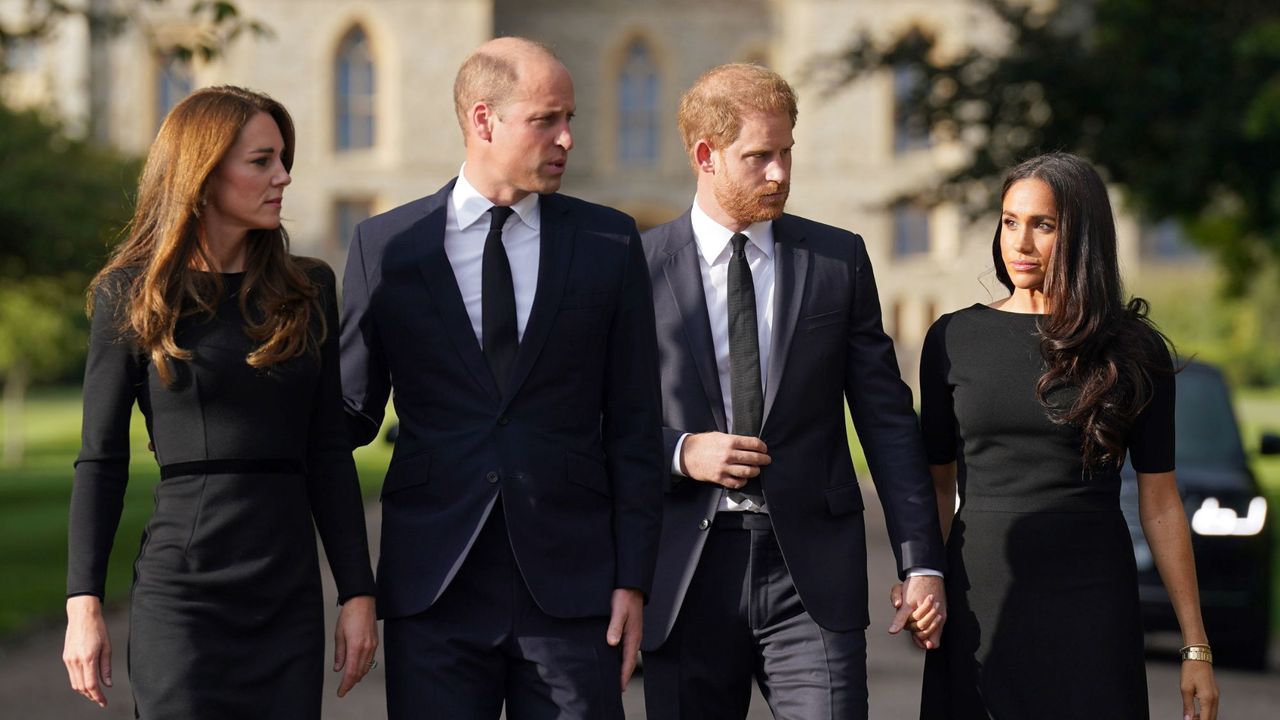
[485, 640]
[742, 619]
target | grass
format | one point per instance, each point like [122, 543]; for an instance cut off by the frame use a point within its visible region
[33, 510]
[34, 498]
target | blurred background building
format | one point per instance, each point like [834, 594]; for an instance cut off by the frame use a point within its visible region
[369, 84]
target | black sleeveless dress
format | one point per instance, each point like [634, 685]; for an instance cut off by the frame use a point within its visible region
[226, 617]
[1041, 580]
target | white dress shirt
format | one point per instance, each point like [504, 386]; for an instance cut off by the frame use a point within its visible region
[465, 229]
[714, 250]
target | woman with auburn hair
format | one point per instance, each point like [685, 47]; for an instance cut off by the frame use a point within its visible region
[1037, 399]
[228, 345]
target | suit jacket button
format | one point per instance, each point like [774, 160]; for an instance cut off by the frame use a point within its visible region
[704, 524]
[491, 477]
[504, 420]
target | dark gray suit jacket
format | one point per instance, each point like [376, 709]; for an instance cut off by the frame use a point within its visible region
[828, 346]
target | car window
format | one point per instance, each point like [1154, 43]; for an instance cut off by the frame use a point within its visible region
[1206, 431]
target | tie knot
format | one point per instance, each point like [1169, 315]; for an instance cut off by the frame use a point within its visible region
[499, 217]
[739, 244]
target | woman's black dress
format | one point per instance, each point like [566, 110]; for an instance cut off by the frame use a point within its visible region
[226, 617]
[1041, 580]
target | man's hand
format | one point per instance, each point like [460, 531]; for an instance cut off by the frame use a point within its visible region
[626, 624]
[728, 460]
[921, 606]
[87, 649]
[355, 641]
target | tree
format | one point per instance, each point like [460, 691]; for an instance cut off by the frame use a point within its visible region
[62, 202]
[219, 23]
[1177, 101]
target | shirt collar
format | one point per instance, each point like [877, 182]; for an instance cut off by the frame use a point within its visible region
[713, 238]
[469, 206]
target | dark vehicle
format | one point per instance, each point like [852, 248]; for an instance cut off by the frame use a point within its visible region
[1231, 531]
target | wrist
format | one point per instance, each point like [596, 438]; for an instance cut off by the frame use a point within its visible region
[84, 606]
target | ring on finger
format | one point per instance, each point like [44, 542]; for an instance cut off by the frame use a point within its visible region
[373, 664]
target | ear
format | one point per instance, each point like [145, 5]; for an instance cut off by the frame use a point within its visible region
[481, 119]
[704, 156]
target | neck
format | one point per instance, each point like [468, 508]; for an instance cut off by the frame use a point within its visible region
[706, 199]
[227, 249]
[1029, 300]
[492, 188]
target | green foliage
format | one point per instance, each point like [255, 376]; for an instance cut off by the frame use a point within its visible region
[62, 201]
[41, 326]
[1176, 100]
[1241, 334]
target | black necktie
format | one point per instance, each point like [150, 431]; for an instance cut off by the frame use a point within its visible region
[744, 354]
[498, 301]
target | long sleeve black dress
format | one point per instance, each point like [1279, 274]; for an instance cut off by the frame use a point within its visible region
[226, 617]
[1041, 580]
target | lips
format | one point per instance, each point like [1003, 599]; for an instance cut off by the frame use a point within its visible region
[1024, 266]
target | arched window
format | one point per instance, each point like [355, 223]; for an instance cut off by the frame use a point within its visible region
[353, 92]
[638, 107]
[174, 81]
[909, 133]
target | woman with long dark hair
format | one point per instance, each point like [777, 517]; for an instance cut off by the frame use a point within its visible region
[1032, 404]
[228, 345]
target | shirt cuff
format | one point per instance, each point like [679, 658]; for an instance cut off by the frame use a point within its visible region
[919, 571]
[675, 457]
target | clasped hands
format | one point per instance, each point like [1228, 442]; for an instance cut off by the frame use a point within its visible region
[920, 603]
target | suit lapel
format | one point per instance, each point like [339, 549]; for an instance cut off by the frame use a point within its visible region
[555, 252]
[791, 270]
[684, 278]
[443, 286]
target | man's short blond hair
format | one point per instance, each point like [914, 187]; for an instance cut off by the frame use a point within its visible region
[713, 108]
[491, 74]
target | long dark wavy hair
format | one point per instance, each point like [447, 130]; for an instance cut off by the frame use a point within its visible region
[1100, 351]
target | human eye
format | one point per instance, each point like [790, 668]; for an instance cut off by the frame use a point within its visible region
[1010, 223]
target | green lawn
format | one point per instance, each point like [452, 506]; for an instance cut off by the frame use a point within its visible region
[33, 502]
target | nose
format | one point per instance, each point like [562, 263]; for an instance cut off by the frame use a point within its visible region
[282, 178]
[777, 172]
[1023, 241]
[565, 138]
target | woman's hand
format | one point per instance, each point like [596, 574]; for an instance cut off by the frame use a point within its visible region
[924, 620]
[356, 640]
[1198, 683]
[87, 649]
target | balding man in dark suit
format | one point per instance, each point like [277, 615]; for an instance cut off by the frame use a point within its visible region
[522, 507]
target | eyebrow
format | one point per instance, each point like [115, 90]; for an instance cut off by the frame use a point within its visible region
[262, 150]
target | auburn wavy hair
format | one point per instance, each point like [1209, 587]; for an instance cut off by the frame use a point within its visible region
[163, 248]
[1098, 348]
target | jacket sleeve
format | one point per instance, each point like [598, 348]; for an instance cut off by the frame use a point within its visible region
[880, 405]
[632, 426]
